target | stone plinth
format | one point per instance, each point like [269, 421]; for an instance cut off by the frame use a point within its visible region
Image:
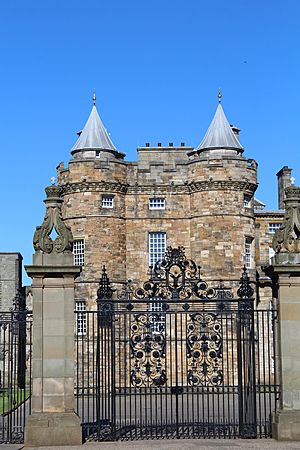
[286, 421]
[53, 429]
[53, 421]
[286, 425]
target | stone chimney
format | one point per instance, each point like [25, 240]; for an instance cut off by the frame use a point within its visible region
[236, 131]
[284, 177]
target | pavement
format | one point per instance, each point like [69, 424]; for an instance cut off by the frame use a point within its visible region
[183, 444]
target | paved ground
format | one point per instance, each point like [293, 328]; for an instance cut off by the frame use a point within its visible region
[187, 444]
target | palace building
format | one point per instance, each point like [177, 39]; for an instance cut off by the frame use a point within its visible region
[124, 214]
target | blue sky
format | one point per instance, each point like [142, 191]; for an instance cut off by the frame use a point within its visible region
[157, 67]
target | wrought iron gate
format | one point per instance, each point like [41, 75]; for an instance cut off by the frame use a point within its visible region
[176, 359]
[15, 370]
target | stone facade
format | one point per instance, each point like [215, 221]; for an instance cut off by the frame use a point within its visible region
[10, 278]
[209, 209]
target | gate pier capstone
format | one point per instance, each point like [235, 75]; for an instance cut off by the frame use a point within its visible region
[53, 420]
[285, 272]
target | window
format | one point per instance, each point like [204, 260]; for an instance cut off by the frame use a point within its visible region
[247, 201]
[248, 244]
[78, 251]
[107, 201]
[273, 227]
[80, 308]
[97, 153]
[157, 247]
[157, 203]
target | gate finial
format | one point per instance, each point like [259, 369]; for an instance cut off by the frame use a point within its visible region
[245, 291]
[53, 219]
[287, 238]
[105, 290]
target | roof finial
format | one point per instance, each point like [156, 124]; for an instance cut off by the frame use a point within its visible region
[94, 97]
[219, 95]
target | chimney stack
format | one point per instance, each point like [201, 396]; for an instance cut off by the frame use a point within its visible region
[236, 131]
[284, 177]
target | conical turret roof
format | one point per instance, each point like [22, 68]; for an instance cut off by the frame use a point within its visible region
[94, 135]
[219, 134]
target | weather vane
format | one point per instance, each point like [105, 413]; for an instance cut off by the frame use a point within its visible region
[219, 95]
[94, 97]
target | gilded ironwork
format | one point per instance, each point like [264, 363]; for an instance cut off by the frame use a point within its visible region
[204, 350]
[147, 352]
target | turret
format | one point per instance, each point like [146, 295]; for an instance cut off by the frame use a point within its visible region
[222, 182]
[94, 141]
[94, 187]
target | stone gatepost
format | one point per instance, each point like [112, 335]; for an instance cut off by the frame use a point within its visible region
[285, 272]
[53, 420]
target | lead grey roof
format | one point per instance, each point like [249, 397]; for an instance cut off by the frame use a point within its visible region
[220, 134]
[94, 135]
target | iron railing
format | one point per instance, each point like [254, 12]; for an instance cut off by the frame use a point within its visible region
[207, 373]
[15, 373]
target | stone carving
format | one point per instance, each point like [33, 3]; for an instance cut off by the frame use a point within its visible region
[287, 238]
[211, 185]
[94, 186]
[53, 219]
[117, 187]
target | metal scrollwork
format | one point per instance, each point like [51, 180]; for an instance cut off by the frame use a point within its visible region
[245, 291]
[147, 352]
[104, 299]
[175, 277]
[204, 350]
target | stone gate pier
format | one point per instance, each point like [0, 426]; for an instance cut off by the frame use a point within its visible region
[53, 421]
[285, 273]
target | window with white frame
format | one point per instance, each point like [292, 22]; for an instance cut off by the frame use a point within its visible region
[247, 201]
[157, 251]
[248, 252]
[78, 251]
[157, 247]
[98, 154]
[81, 321]
[273, 227]
[107, 201]
[157, 203]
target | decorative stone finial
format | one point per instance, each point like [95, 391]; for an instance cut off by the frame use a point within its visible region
[219, 95]
[287, 238]
[94, 97]
[53, 219]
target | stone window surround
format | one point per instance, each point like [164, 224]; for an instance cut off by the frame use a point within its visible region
[156, 246]
[273, 227]
[248, 251]
[81, 319]
[78, 251]
[156, 203]
[107, 201]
